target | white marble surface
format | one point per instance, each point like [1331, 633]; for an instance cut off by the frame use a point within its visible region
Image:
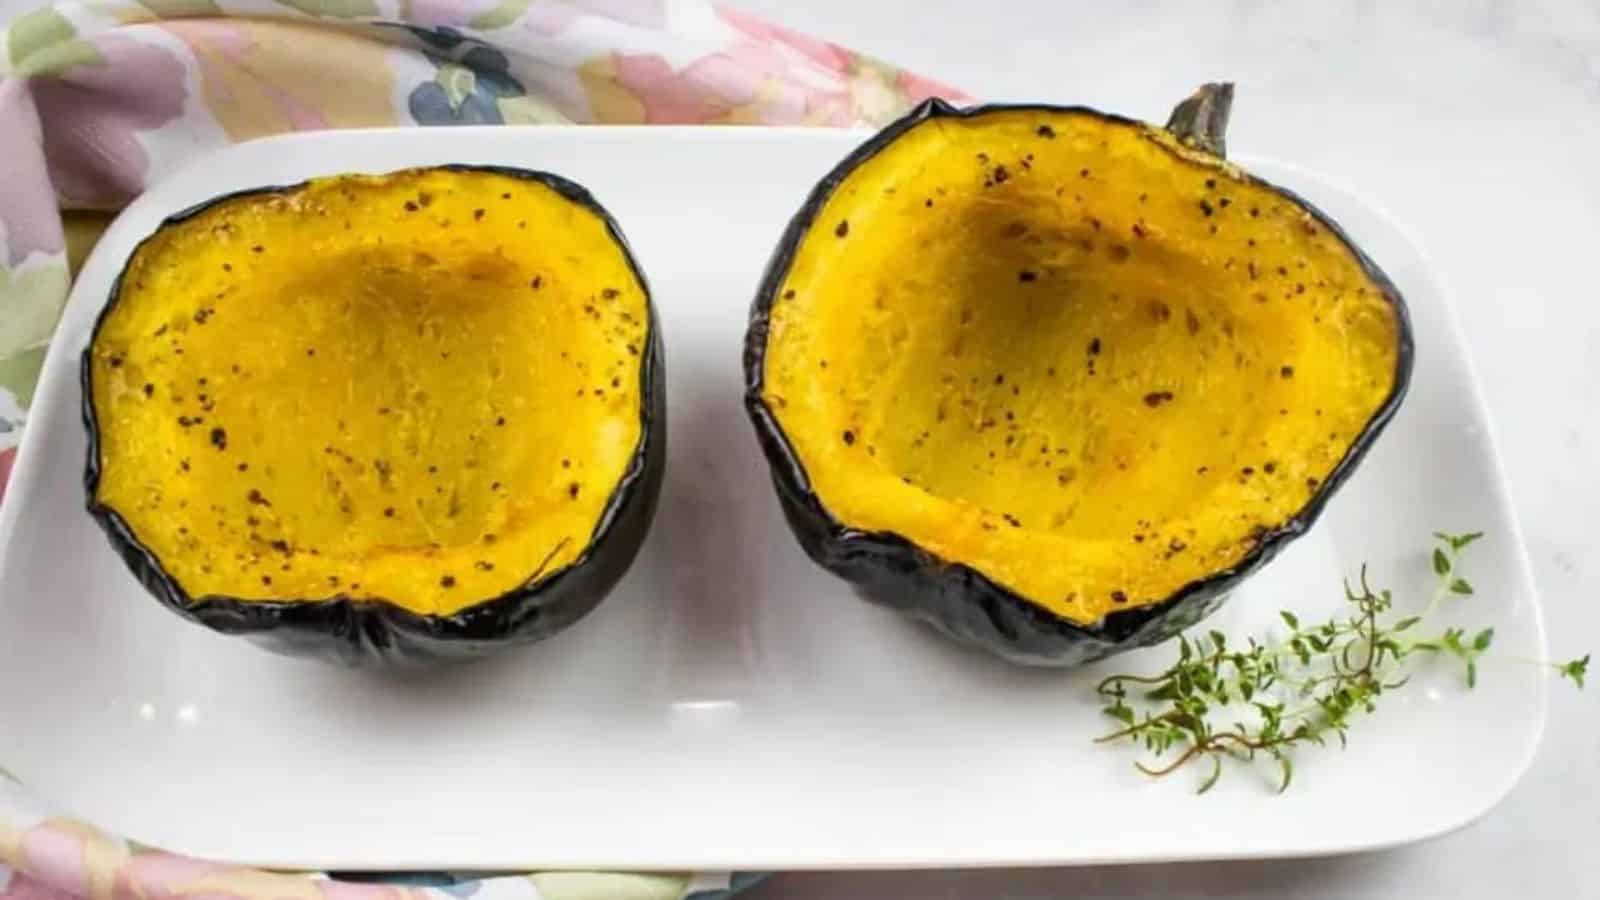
[1476, 125]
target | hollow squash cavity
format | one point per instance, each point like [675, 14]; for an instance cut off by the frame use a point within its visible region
[422, 388]
[1070, 353]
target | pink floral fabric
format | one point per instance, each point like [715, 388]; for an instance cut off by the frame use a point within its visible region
[100, 98]
[92, 147]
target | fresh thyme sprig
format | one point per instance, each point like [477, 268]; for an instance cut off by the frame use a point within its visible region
[1303, 688]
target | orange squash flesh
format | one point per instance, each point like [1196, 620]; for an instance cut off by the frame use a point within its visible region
[420, 387]
[1072, 354]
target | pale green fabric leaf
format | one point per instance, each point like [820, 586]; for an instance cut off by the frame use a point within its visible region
[181, 9]
[30, 303]
[507, 12]
[529, 110]
[457, 81]
[608, 886]
[35, 31]
[43, 42]
[119, 11]
[19, 374]
[339, 9]
[58, 58]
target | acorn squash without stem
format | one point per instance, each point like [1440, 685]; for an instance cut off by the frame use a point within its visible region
[405, 416]
[1055, 380]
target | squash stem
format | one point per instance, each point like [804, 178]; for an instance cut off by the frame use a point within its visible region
[1201, 120]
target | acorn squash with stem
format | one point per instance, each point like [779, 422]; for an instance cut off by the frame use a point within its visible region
[1056, 381]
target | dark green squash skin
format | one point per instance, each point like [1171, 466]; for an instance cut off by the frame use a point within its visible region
[362, 630]
[889, 570]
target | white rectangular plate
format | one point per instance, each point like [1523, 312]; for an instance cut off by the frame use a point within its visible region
[730, 706]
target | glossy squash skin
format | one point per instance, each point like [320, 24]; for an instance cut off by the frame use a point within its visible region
[452, 598]
[872, 494]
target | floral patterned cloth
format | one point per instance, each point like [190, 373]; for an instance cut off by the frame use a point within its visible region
[100, 98]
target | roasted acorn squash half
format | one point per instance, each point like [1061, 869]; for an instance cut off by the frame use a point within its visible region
[408, 416]
[1056, 380]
